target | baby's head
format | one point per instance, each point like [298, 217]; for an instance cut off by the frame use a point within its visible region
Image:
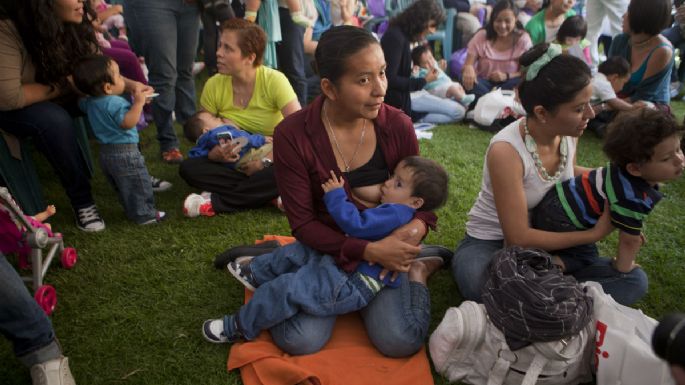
[417, 182]
[98, 75]
[572, 31]
[422, 56]
[200, 123]
[617, 71]
[646, 143]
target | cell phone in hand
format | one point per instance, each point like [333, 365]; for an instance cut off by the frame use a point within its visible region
[224, 138]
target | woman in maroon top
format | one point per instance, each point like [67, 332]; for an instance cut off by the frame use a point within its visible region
[348, 129]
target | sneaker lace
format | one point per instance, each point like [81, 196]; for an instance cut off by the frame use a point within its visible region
[88, 214]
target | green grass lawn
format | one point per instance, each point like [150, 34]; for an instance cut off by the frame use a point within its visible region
[130, 311]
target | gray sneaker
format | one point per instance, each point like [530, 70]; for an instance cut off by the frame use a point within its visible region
[52, 372]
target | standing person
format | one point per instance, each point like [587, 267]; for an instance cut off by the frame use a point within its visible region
[39, 43]
[113, 119]
[404, 92]
[525, 160]
[166, 33]
[255, 98]
[214, 12]
[493, 53]
[543, 26]
[649, 53]
[348, 129]
[596, 12]
[25, 324]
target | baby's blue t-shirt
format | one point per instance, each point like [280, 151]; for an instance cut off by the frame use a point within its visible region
[442, 78]
[105, 114]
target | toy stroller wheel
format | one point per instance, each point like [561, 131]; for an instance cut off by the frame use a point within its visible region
[69, 257]
[46, 296]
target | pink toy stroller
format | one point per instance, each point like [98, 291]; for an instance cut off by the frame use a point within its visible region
[26, 237]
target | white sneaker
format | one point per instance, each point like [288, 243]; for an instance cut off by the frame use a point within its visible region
[159, 185]
[53, 372]
[196, 205]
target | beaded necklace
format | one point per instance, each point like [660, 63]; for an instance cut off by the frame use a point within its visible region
[532, 148]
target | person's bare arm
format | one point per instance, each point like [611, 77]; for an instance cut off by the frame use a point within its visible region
[468, 73]
[290, 108]
[618, 104]
[133, 115]
[111, 11]
[36, 93]
[628, 247]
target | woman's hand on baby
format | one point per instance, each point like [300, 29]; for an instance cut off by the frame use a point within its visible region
[498, 76]
[223, 154]
[333, 183]
[432, 75]
[442, 64]
[468, 77]
[603, 227]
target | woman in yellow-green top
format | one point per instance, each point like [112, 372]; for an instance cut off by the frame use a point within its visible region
[249, 96]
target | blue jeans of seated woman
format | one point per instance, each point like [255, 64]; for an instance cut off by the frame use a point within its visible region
[396, 320]
[22, 321]
[166, 33]
[52, 129]
[124, 167]
[298, 279]
[473, 255]
[483, 86]
[439, 110]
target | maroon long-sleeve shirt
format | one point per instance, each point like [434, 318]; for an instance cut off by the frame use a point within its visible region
[303, 158]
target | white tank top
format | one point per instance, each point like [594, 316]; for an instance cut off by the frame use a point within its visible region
[483, 222]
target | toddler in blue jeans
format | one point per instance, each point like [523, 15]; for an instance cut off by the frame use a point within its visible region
[113, 120]
[296, 278]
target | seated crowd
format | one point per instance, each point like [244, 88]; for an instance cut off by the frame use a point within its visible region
[336, 150]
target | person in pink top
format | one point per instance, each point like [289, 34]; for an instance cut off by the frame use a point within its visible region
[493, 52]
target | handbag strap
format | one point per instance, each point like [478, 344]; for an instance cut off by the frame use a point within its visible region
[499, 371]
[535, 368]
[557, 350]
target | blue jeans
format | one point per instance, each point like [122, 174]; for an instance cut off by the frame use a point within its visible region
[294, 279]
[124, 167]
[290, 51]
[471, 260]
[439, 110]
[396, 320]
[166, 33]
[52, 129]
[22, 321]
[483, 86]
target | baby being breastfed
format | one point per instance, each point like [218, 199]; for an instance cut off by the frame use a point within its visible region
[369, 196]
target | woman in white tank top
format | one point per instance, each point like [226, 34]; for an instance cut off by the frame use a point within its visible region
[526, 159]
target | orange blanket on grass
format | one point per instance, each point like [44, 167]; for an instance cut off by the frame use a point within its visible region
[348, 358]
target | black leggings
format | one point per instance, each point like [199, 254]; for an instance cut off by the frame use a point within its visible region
[231, 190]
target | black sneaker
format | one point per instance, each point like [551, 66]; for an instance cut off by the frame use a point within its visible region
[240, 269]
[88, 219]
[159, 185]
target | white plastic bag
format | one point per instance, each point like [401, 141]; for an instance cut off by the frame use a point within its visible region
[492, 106]
[623, 350]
